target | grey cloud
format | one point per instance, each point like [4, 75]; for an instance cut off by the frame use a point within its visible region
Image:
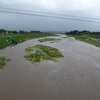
[88, 8]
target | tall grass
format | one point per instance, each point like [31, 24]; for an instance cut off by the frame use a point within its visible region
[13, 39]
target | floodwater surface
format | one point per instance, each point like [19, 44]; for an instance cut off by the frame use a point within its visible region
[74, 77]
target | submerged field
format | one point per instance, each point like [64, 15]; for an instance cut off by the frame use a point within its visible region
[39, 53]
[13, 39]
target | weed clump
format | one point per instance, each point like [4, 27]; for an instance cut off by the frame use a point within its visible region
[49, 39]
[3, 61]
[39, 53]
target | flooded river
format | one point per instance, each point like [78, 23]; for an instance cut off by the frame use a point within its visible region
[74, 77]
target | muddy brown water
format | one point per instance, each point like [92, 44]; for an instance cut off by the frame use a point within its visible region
[74, 77]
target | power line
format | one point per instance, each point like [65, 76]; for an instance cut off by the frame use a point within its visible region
[50, 16]
[31, 14]
[50, 13]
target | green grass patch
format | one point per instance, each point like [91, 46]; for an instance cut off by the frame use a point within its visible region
[49, 39]
[29, 49]
[90, 41]
[40, 53]
[3, 61]
[13, 39]
[88, 38]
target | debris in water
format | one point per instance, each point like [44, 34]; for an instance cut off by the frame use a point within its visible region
[63, 49]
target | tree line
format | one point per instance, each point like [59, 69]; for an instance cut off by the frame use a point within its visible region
[76, 32]
[3, 31]
[83, 34]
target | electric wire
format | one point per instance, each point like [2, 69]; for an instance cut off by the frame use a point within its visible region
[49, 16]
[48, 13]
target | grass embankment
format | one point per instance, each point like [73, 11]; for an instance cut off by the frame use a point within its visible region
[3, 61]
[52, 40]
[39, 53]
[88, 37]
[13, 39]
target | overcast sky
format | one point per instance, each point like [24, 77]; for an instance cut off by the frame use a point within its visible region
[83, 8]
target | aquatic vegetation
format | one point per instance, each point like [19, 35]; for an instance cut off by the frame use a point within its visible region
[49, 39]
[39, 53]
[28, 49]
[3, 61]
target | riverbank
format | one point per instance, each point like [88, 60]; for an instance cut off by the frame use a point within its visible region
[13, 39]
[86, 36]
